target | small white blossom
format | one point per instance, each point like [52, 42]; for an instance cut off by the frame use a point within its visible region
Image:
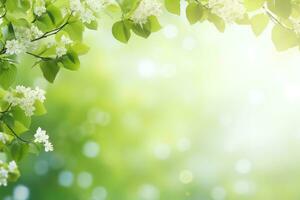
[14, 47]
[87, 16]
[95, 5]
[146, 9]
[12, 166]
[39, 8]
[25, 98]
[35, 32]
[66, 40]
[229, 10]
[60, 51]
[3, 176]
[75, 6]
[48, 146]
[83, 10]
[3, 138]
[40, 136]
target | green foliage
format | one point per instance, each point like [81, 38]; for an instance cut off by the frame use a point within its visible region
[20, 14]
[173, 6]
[284, 38]
[194, 12]
[121, 31]
[259, 23]
[8, 74]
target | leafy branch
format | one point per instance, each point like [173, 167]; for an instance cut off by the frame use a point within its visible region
[54, 31]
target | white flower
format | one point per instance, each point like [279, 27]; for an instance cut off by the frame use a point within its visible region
[66, 40]
[95, 5]
[48, 146]
[83, 10]
[3, 176]
[3, 138]
[25, 98]
[35, 32]
[12, 166]
[60, 51]
[14, 47]
[146, 9]
[75, 6]
[39, 8]
[22, 34]
[87, 16]
[40, 136]
[229, 10]
[39, 94]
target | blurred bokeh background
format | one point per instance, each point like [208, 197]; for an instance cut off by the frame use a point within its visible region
[188, 114]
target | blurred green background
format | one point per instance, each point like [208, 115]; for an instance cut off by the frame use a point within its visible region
[188, 114]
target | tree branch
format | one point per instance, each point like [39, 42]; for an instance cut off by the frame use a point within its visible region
[14, 133]
[40, 57]
[53, 32]
[275, 19]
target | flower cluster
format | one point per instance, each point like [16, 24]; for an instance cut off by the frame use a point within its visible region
[146, 9]
[85, 9]
[42, 137]
[229, 10]
[25, 98]
[39, 8]
[23, 41]
[7, 169]
[61, 48]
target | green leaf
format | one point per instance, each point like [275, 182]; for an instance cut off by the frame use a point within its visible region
[20, 116]
[54, 14]
[70, 60]
[50, 69]
[80, 48]
[284, 38]
[128, 6]
[34, 148]
[217, 21]
[39, 108]
[121, 31]
[252, 5]
[8, 73]
[194, 12]
[283, 8]
[8, 120]
[143, 30]
[75, 30]
[259, 23]
[173, 6]
[93, 25]
[154, 24]
[18, 150]
[8, 32]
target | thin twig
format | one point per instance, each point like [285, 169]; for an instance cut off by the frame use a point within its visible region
[53, 32]
[40, 57]
[275, 19]
[18, 137]
[7, 109]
